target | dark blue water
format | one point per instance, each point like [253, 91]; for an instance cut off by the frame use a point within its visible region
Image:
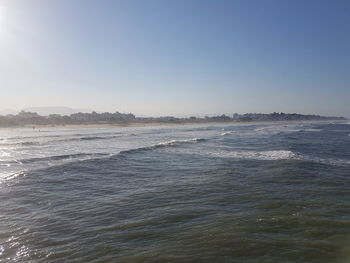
[239, 193]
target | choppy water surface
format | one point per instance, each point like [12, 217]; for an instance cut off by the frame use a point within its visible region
[222, 193]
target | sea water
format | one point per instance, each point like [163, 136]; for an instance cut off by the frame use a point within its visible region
[271, 192]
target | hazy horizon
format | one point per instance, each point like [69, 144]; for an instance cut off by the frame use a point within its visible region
[46, 111]
[176, 58]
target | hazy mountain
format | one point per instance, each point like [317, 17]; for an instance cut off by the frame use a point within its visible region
[45, 111]
[8, 111]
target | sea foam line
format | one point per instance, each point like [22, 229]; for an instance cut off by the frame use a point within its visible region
[257, 155]
[162, 144]
[272, 156]
[228, 133]
[70, 139]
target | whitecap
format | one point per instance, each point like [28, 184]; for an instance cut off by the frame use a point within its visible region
[327, 161]
[174, 142]
[312, 130]
[9, 176]
[228, 133]
[261, 155]
[250, 155]
[162, 144]
[261, 129]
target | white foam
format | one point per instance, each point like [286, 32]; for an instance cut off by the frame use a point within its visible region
[174, 142]
[8, 176]
[256, 155]
[277, 129]
[261, 129]
[328, 161]
[161, 145]
[312, 130]
[276, 155]
[267, 156]
[228, 133]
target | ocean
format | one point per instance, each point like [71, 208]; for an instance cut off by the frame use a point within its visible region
[238, 193]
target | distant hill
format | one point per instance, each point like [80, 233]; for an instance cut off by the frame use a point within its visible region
[45, 111]
[8, 111]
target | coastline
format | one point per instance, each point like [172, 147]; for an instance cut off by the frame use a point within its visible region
[159, 124]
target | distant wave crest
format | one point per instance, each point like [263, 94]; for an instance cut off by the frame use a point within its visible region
[276, 155]
[30, 143]
[70, 139]
[257, 155]
[60, 157]
[312, 130]
[228, 133]
[162, 144]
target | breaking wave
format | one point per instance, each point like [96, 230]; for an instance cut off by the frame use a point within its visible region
[84, 138]
[92, 138]
[60, 157]
[312, 130]
[228, 133]
[256, 155]
[162, 145]
[100, 155]
[262, 129]
[275, 155]
[327, 161]
[30, 143]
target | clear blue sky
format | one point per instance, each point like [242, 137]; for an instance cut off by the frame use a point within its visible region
[176, 57]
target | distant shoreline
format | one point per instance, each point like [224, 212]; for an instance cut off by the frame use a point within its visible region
[32, 119]
[161, 124]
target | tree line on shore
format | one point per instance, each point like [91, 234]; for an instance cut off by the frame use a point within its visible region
[32, 118]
